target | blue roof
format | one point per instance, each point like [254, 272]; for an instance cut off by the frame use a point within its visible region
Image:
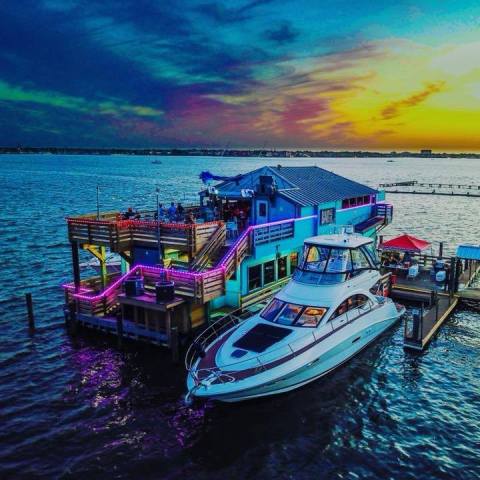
[469, 252]
[304, 186]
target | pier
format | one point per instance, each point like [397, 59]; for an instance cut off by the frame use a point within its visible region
[413, 187]
[435, 302]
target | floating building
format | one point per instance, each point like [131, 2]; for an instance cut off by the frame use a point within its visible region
[235, 248]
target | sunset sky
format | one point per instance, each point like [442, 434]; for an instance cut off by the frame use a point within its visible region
[326, 74]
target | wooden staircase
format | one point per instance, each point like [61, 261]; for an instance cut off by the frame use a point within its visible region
[204, 259]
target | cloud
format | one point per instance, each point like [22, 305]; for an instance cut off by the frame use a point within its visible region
[219, 13]
[282, 34]
[396, 108]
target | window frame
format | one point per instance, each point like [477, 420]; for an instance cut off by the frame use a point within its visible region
[331, 215]
[264, 281]
[283, 260]
[260, 267]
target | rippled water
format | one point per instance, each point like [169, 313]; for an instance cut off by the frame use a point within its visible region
[73, 408]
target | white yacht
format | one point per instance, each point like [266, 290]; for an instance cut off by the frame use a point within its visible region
[329, 311]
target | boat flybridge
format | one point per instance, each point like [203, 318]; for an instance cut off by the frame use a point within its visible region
[324, 316]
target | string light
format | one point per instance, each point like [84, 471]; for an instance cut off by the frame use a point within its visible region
[173, 272]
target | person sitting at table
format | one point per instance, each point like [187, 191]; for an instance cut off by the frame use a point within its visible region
[172, 212]
[189, 219]
[129, 213]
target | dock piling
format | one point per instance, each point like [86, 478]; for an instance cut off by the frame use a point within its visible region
[31, 318]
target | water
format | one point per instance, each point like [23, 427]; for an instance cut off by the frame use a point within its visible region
[71, 408]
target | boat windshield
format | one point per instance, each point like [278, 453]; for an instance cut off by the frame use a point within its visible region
[322, 265]
[284, 313]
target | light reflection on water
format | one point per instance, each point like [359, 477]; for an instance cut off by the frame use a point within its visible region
[79, 407]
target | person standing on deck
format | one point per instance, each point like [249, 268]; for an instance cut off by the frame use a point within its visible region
[180, 211]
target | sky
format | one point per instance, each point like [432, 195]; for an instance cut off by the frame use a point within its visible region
[323, 74]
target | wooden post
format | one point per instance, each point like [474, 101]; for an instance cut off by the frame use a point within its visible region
[76, 266]
[440, 252]
[421, 323]
[31, 319]
[103, 266]
[436, 309]
[72, 323]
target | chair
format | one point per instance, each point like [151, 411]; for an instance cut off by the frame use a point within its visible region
[413, 271]
[232, 229]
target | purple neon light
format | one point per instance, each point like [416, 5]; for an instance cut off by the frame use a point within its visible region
[180, 273]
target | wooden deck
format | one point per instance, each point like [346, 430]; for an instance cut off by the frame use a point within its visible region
[419, 332]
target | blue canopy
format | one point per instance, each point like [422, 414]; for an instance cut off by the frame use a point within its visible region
[207, 177]
[468, 252]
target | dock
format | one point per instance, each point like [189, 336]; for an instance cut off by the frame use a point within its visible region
[413, 187]
[435, 303]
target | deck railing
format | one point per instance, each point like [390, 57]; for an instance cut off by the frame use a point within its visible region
[199, 287]
[119, 235]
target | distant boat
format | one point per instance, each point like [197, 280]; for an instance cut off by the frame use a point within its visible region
[156, 162]
[390, 160]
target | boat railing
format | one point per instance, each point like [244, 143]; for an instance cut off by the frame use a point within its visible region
[264, 361]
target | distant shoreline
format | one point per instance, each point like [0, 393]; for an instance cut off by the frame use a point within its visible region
[200, 152]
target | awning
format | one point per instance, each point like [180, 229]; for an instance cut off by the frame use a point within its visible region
[405, 243]
[468, 252]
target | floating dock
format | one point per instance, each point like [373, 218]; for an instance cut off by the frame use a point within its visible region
[435, 303]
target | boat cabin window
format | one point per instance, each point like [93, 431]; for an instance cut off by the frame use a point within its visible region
[326, 265]
[355, 301]
[289, 314]
[272, 309]
[311, 317]
[285, 313]
[371, 252]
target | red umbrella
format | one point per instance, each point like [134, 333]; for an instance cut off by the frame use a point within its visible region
[405, 243]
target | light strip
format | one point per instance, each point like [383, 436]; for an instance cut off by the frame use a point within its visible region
[180, 273]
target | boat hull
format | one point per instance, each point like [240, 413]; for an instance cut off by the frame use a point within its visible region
[324, 364]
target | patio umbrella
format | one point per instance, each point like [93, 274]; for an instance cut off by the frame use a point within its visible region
[405, 243]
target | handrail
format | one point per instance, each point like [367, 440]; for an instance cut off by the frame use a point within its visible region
[216, 241]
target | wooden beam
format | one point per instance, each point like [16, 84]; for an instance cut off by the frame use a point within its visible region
[76, 266]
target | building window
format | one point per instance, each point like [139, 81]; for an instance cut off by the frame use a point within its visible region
[357, 201]
[269, 272]
[254, 277]
[293, 261]
[327, 216]
[282, 267]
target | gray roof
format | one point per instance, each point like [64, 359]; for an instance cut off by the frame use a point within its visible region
[302, 185]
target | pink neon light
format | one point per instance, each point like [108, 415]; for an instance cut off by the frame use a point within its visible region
[142, 223]
[180, 273]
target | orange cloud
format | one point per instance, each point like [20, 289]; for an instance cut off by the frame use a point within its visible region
[395, 108]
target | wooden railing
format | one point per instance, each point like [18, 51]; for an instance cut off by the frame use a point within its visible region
[384, 210]
[273, 233]
[119, 235]
[217, 241]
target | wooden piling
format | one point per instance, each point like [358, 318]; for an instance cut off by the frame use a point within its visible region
[31, 318]
[72, 318]
[440, 251]
[76, 266]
